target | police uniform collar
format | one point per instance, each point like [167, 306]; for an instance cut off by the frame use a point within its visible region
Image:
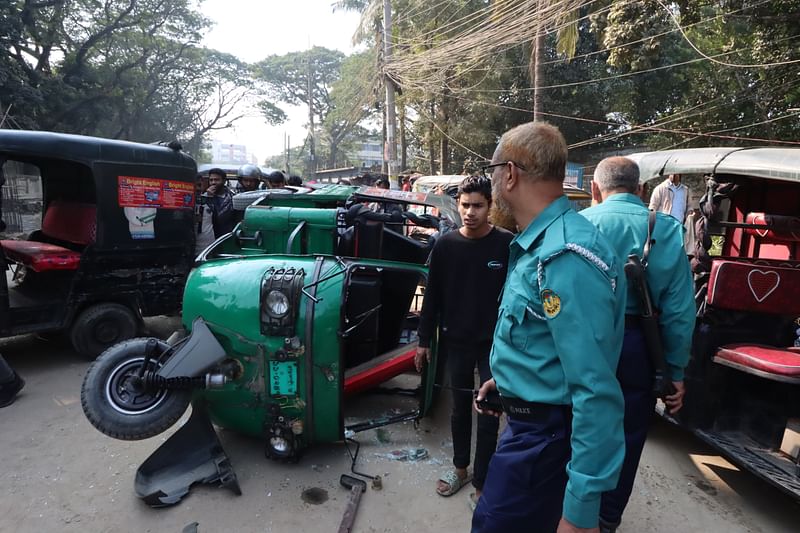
[624, 197]
[537, 226]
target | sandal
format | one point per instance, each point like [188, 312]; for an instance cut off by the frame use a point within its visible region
[472, 502]
[454, 483]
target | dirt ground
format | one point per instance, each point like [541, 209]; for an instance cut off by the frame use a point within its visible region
[59, 474]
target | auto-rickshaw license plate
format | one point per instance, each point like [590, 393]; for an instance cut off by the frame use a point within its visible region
[283, 378]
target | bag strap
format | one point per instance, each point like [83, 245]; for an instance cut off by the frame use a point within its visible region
[651, 223]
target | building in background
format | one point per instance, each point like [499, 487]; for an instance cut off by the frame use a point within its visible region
[235, 154]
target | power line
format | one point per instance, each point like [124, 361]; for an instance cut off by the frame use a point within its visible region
[625, 74]
[712, 59]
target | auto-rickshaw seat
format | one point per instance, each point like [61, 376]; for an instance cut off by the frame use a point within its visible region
[757, 286]
[754, 285]
[777, 228]
[768, 362]
[70, 223]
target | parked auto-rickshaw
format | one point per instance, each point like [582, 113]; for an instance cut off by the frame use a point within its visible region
[313, 297]
[743, 379]
[112, 237]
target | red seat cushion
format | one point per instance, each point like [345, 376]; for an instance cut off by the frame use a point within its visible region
[70, 222]
[41, 256]
[767, 361]
[752, 287]
[777, 228]
[380, 369]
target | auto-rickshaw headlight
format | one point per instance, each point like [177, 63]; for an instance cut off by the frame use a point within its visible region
[279, 445]
[280, 296]
[277, 304]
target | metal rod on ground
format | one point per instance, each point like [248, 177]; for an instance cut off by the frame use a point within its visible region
[357, 488]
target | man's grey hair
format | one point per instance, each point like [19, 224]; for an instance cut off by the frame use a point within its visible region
[614, 173]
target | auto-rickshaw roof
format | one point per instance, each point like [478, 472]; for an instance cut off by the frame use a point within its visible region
[770, 163]
[88, 150]
[442, 202]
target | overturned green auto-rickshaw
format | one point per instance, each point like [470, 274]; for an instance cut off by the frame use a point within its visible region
[314, 297]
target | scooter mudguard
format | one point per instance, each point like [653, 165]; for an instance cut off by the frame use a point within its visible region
[193, 454]
[197, 353]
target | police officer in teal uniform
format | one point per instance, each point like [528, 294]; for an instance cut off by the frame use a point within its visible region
[556, 346]
[623, 219]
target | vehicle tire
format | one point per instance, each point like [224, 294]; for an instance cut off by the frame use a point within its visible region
[101, 326]
[115, 405]
[244, 199]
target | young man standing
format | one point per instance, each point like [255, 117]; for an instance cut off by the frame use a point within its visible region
[216, 214]
[467, 271]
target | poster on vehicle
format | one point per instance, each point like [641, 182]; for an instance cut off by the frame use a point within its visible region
[154, 193]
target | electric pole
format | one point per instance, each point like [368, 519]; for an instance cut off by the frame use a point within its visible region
[391, 119]
[536, 60]
[312, 163]
[286, 145]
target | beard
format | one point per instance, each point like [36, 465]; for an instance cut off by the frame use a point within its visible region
[500, 214]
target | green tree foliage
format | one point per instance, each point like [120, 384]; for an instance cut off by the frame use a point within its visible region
[616, 74]
[127, 69]
[339, 95]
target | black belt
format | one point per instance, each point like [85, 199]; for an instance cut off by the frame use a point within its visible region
[530, 411]
[632, 321]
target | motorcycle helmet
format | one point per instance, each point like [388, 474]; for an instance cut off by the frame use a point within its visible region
[248, 171]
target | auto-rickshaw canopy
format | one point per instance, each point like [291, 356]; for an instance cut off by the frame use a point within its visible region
[769, 163]
[89, 150]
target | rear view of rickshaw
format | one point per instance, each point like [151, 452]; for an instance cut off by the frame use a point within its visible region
[743, 379]
[99, 235]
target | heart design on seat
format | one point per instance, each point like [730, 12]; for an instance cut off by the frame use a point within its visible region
[763, 283]
[761, 219]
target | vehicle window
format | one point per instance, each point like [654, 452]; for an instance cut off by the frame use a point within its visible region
[22, 198]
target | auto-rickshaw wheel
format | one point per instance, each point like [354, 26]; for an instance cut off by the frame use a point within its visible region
[101, 326]
[117, 403]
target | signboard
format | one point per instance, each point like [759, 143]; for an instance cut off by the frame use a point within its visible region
[574, 174]
[154, 193]
[408, 196]
[283, 378]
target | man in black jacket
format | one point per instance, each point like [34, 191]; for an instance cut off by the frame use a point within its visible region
[467, 271]
[218, 200]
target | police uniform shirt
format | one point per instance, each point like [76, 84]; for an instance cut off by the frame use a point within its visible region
[558, 339]
[623, 219]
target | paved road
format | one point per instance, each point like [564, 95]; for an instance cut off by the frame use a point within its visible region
[59, 474]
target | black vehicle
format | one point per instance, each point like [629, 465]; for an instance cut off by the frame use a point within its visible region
[743, 377]
[112, 237]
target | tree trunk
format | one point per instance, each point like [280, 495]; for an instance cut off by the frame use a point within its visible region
[333, 154]
[385, 163]
[444, 141]
[431, 141]
[403, 140]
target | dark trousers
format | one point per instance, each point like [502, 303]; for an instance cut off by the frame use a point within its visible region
[462, 360]
[524, 490]
[635, 375]
[7, 374]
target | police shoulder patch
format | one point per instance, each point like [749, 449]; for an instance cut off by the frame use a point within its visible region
[551, 303]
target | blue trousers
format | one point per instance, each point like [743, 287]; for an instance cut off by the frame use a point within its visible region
[635, 375]
[524, 489]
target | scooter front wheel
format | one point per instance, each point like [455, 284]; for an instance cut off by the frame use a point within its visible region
[115, 401]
